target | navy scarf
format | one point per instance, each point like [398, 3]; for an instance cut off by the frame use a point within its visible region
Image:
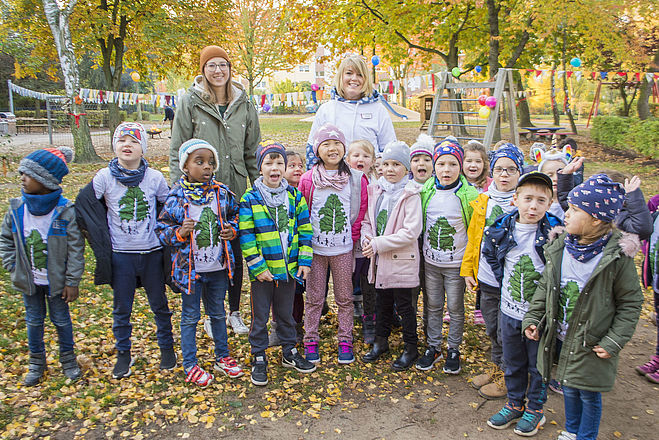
[41, 204]
[125, 176]
[585, 252]
[449, 186]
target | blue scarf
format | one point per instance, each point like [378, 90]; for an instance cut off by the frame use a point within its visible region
[41, 204]
[125, 176]
[585, 252]
[375, 97]
[455, 184]
[198, 193]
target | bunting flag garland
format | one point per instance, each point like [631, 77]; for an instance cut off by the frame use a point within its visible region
[36, 95]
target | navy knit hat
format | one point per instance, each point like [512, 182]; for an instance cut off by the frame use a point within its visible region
[47, 166]
[511, 152]
[268, 147]
[599, 196]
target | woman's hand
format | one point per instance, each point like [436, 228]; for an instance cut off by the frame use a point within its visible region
[531, 332]
[601, 353]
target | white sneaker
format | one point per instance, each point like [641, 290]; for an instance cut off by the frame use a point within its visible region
[564, 435]
[237, 324]
[207, 327]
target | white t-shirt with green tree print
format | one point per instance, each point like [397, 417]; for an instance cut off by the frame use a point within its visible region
[492, 211]
[35, 231]
[207, 244]
[330, 220]
[445, 237]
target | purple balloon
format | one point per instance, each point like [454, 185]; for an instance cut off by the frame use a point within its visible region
[315, 87]
[491, 102]
[266, 107]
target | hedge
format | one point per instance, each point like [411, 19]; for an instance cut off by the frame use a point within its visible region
[620, 132]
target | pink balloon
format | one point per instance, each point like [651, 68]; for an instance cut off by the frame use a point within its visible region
[491, 102]
[314, 87]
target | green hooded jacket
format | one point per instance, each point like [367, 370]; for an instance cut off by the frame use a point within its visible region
[466, 193]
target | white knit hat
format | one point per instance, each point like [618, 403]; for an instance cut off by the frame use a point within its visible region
[191, 145]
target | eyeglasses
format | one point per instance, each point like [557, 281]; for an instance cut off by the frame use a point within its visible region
[221, 66]
[510, 171]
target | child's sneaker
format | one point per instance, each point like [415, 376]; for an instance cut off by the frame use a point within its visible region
[452, 364]
[429, 359]
[167, 359]
[653, 377]
[259, 375]
[564, 435]
[237, 324]
[230, 367]
[311, 351]
[122, 365]
[555, 386]
[478, 318]
[508, 415]
[198, 376]
[531, 421]
[650, 367]
[346, 356]
[295, 360]
[447, 317]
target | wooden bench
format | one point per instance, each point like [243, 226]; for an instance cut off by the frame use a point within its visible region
[31, 128]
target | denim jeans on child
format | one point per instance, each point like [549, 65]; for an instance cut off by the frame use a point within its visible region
[211, 288]
[490, 301]
[583, 410]
[35, 315]
[126, 269]
[445, 282]
[520, 354]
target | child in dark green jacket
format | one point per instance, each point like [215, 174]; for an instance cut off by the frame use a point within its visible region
[587, 303]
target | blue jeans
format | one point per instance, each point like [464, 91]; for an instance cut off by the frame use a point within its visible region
[520, 371]
[583, 411]
[211, 288]
[126, 269]
[35, 315]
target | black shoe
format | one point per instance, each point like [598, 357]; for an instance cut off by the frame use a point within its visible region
[325, 309]
[380, 347]
[36, 368]
[452, 364]
[368, 329]
[407, 358]
[123, 364]
[259, 370]
[295, 360]
[429, 359]
[70, 365]
[167, 359]
[358, 309]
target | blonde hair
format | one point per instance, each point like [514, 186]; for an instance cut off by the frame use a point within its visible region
[357, 63]
[366, 147]
[498, 144]
[601, 230]
[476, 146]
[209, 94]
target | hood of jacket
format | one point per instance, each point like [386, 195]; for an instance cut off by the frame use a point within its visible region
[199, 90]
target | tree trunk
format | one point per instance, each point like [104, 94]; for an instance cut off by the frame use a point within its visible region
[554, 107]
[403, 95]
[37, 108]
[568, 110]
[114, 117]
[524, 111]
[643, 103]
[493, 21]
[58, 20]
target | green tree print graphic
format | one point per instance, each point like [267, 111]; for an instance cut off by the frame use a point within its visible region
[333, 218]
[496, 212]
[523, 280]
[440, 235]
[134, 205]
[652, 256]
[280, 217]
[208, 231]
[568, 299]
[37, 250]
[381, 222]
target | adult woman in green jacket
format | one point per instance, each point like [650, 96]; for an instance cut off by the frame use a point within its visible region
[218, 110]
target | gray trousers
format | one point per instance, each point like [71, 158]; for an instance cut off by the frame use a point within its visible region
[280, 296]
[490, 299]
[445, 283]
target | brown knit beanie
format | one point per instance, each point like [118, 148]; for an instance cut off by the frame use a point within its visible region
[209, 52]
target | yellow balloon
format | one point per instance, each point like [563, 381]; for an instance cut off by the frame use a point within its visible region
[135, 76]
[484, 112]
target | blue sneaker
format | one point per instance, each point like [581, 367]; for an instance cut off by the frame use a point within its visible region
[346, 356]
[311, 351]
[531, 421]
[504, 418]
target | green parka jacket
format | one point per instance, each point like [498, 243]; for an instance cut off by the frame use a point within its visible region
[605, 314]
[235, 136]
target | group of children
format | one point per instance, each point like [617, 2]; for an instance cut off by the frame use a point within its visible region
[434, 218]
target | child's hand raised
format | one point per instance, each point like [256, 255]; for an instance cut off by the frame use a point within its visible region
[601, 353]
[532, 333]
[186, 227]
[573, 166]
[632, 184]
[265, 276]
[303, 271]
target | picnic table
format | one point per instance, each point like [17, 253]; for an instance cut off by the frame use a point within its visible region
[543, 132]
[31, 125]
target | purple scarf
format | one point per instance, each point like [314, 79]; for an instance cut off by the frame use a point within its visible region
[322, 179]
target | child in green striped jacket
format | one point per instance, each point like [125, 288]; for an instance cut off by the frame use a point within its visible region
[275, 237]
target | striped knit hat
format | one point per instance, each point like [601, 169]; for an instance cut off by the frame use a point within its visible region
[47, 166]
[191, 145]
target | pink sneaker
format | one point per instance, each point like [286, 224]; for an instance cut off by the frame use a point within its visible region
[447, 317]
[653, 377]
[478, 318]
[230, 367]
[651, 367]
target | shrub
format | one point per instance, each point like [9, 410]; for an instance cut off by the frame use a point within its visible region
[644, 136]
[610, 130]
[619, 132]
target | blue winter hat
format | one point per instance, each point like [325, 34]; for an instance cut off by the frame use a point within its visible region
[511, 152]
[47, 166]
[191, 145]
[599, 196]
[268, 147]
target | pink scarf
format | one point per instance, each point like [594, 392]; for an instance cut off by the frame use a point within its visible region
[322, 179]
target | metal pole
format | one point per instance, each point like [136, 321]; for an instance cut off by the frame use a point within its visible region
[11, 97]
[50, 122]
